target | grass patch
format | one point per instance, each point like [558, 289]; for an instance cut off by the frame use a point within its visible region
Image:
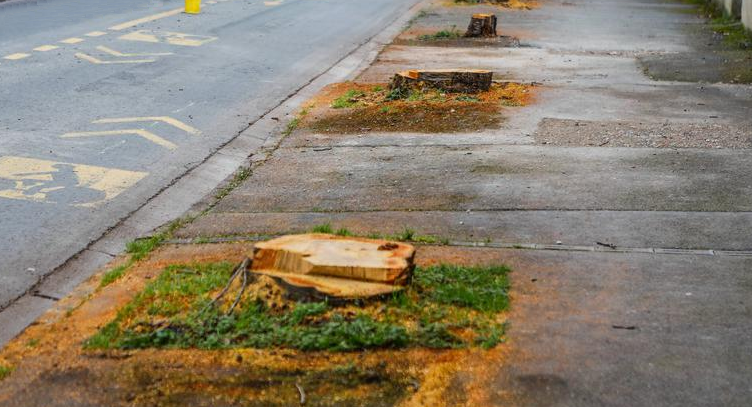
[323, 228]
[5, 371]
[735, 35]
[113, 275]
[446, 306]
[449, 34]
[347, 100]
[140, 248]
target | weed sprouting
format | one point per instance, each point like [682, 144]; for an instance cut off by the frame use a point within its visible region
[291, 126]
[113, 275]
[139, 248]
[442, 35]
[406, 235]
[240, 175]
[5, 371]
[323, 228]
[344, 232]
[349, 99]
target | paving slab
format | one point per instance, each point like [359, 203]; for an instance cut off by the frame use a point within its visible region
[497, 178]
[630, 229]
[597, 329]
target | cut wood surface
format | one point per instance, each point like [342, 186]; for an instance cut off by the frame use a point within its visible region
[318, 266]
[306, 287]
[449, 80]
[336, 256]
[482, 25]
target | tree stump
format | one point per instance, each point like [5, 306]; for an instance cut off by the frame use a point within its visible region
[482, 25]
[448, 80]
[322, 266]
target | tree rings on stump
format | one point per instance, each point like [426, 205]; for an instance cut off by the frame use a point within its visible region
[448, 80]
[482, 25]
[318, 266]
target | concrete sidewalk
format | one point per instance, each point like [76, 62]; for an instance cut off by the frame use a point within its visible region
[633, 197]
[620, 196]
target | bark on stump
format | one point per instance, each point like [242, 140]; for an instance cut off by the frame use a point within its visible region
[482, 25]
[448, 80]
[321, 266]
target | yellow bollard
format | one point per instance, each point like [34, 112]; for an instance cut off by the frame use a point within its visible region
[192, 6]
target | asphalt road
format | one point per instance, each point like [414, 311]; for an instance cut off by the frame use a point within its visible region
[103, 104]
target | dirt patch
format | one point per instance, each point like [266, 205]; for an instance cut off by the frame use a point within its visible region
[565, 132]
[502, 41]
[348, 108]
[510, 4]
[51, 368]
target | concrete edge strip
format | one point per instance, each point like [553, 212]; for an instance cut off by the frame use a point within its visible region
[191, 187]
[506, 245]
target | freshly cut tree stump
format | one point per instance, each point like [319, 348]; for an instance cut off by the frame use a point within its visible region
[321, 265]
[449, 80]
[482, 25]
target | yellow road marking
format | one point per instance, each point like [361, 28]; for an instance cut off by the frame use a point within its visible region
[169, 120]
[122, 55]
[173, 38]
[16, 56]
[46, 181]
[45, 48]
[138, 132]
[153, 17]
[94, 60]
[72, 40]
[95, 34]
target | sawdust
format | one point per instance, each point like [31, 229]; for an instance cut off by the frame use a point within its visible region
[508, 4]
[57, 369]
[348, 108]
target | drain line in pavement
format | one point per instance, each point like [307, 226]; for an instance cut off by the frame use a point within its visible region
[598, 248]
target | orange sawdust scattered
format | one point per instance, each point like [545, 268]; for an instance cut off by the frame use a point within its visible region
[359, 108]
[58, 368]
[510, 4]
